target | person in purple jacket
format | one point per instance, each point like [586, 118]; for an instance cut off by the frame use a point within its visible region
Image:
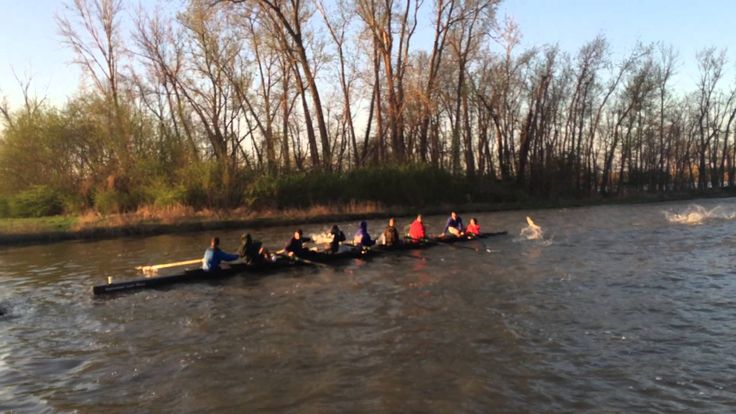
[362, 238]
[454, 225]
[213, 256]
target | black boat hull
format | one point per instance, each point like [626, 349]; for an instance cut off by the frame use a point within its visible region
[195, 275]
[307, 258]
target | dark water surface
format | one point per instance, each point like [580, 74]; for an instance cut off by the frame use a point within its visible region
[616, 309]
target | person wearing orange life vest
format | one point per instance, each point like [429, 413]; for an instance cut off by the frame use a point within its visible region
[416, 230]
[473, 228]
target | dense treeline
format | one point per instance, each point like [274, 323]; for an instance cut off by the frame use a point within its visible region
[233, 102]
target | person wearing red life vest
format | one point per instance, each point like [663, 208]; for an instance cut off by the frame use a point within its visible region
[416, 230]
[473, 228]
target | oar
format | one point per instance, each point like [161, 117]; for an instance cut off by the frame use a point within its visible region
[475, 249]
[155, 268]
[409, 255]
[307, 261]
[296, 258]
[459, 246]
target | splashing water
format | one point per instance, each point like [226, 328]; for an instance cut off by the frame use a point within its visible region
[532, 231]
[696, 214]
[321, 238]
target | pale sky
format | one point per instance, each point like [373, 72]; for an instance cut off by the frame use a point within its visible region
[30, 44]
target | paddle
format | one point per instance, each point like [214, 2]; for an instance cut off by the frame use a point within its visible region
[306, 261]
[465, 237]
[475, 249]
[296, 258]
[153, 269]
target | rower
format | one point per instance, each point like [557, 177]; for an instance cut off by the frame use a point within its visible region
[337, 237]
[454, 225]
[416, 230]
[295, 247]
[473, 228]
[252, 251]
[362, 238]
[213, 256]
[390, 236]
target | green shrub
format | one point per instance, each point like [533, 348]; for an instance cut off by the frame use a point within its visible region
[38, 201]
[74, 203]
[4, 207]
[209, 184]
[412, 185]
[167, 196]
[111, 201]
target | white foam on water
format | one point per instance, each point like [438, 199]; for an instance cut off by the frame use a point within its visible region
[321, 238]
[697, 214]
[532, 231]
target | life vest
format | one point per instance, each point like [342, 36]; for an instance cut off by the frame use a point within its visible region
[473, 229]
[416, 230]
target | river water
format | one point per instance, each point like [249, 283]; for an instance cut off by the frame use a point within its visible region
[612, 309]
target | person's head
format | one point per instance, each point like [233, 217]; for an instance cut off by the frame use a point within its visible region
[215, 242]
[419, 218]
[298, 234]
[335, 229]
[391, 222]
[363, 225]
[453, 215]
[474, 221]
[245, 237]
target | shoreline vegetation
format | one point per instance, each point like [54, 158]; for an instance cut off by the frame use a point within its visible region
[222, 114]
[148, 222]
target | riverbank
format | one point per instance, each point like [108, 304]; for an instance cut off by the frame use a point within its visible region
[147, 223]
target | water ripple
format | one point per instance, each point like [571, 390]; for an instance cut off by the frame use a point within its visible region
[616, 310]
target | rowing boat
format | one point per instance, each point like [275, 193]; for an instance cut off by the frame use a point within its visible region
[326, 257]
[195, 275]
[409, 244]
[454, 239]
[281, 262]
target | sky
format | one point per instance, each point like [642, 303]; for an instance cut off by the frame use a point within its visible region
[31, 46]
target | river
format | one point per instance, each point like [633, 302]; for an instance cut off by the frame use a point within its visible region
[627, 308]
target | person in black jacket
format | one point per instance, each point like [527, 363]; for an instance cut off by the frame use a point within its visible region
[252, 251]
[295, 247]
[337, 237]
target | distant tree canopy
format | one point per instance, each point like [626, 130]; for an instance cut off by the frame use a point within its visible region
[199, 105]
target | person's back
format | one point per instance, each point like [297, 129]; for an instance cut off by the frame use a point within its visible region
[251, 250]
[362, 237]
[391, 235]
[416, 229]
[337, 237]
[213, 256]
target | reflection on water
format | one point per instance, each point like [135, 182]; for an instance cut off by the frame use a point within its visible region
[626, 311]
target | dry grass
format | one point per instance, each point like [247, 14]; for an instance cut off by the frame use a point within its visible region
[322, 210]
[88, 219]
[182, 214]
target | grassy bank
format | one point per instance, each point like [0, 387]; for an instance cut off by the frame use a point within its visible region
[148, 221]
